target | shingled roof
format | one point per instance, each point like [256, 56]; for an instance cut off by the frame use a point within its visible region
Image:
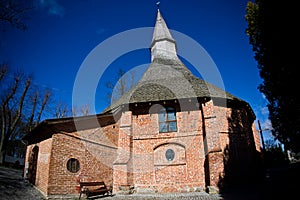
[167, 78]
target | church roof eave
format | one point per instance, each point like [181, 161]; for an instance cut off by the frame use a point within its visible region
[48, 127]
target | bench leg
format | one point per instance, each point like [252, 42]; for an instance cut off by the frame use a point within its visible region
[80, 194]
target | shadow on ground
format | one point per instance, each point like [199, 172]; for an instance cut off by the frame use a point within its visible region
[13, 186]
[279, 183]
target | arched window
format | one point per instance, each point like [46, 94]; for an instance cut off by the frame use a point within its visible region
[73, 165]
[167, 120]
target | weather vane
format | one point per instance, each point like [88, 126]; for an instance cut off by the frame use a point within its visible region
[157, 3]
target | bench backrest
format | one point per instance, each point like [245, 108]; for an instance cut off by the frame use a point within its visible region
[92, 183]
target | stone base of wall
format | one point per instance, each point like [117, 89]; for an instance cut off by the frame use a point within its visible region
[212, 190]
[63, 196]
[145, 190]
[125, 189]
[167, 189]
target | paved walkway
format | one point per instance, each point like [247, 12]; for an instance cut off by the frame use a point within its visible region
[14, 187]
[279, 183]
[182, 196]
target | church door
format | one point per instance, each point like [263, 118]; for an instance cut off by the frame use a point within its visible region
[33, 165]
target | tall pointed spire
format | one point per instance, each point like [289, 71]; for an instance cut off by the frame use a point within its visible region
[167, 78]
[163, 44]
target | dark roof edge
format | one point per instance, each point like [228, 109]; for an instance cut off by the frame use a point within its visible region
[215, 99]
[79, 118]
[48, 122]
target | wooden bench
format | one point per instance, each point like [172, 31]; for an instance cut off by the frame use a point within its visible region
[94, 188]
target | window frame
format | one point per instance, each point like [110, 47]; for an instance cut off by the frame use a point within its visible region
[167, 120]
[73, 165]
[170, 155]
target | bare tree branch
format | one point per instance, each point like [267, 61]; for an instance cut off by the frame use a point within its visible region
[34, 102]
[3, 70]
[12, 13]
[85, 110]
[61, 110]
[21, 103]
[124, 82]
[20, 107]
[45, 101]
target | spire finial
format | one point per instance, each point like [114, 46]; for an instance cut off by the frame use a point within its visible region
[157, 4]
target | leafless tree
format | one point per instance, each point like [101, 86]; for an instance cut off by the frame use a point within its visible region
[35, 115]
[21, 106]
[124, 82]
[12, 13]
[62, 110]
[83, 110]
[3, 71]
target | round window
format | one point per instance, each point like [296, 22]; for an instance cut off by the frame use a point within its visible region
[170, 154]
[73, 165]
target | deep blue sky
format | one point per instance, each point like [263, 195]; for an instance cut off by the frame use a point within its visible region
[61, 33]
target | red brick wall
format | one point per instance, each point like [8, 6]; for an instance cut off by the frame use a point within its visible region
[96, 154]
[231, 139]
[42, 171]
[43, 164]
[145, 165]
[240, 144]
[94, 148]
[62, 181]
[132, 151]
[256, 138]
[122, 173]
[151, 170]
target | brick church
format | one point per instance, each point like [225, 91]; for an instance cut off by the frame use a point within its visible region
[172, 132]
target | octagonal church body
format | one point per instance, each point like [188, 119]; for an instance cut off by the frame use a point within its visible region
[172, 132]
